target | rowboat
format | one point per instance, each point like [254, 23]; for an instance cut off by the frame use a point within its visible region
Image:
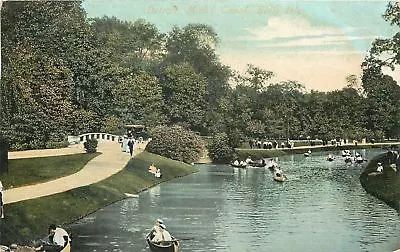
[166, 246]
[239, 165]
[280, 178]
[257, 164]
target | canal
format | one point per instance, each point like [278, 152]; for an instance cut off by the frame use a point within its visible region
[321, 207]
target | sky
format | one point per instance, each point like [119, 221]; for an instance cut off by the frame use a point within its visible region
[317, 43]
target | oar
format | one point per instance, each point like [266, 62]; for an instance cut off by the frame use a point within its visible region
[180, 239]
[184, 239]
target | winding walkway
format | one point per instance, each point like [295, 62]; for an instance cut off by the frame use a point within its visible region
[111, 161]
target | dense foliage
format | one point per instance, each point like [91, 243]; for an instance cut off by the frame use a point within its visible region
[176, 143]
[220, 150]
[90, 145]
[65, 74]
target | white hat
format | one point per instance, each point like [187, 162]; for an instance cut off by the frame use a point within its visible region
[162, 226]
[379, 163]
[160, 221]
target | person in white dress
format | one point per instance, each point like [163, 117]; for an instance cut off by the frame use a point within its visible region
[379, 168]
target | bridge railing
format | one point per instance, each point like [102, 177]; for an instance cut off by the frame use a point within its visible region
[97, 135]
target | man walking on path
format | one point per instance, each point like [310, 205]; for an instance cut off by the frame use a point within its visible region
[131, 144]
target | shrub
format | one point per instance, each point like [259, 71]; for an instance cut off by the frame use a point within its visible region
[176, 143]
[90, 145]
[219, 149]
[56, 144]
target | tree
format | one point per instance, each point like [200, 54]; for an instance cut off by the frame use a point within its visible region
[255, 78]
[220, 150]
[129, 45]
[138, 99]
[385, 52]
[50, 66]
[184, 93]
[382, 106]
[195, 45]
[380, 89]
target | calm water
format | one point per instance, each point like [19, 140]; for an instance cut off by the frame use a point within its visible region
[322, 207]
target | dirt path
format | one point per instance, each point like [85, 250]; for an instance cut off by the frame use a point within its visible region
[111, 161]
[73, 149]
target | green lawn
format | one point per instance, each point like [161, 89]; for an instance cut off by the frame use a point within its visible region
[34, 170]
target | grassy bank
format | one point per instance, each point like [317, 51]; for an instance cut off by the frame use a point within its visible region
[29, 171]
[384, 186]
[28, 220]
[266, 153]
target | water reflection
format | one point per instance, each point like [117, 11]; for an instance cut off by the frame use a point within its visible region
[321, 207]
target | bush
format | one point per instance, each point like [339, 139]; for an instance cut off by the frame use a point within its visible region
[219, 150]
[56, 145]
[90, 145]
[175, 143]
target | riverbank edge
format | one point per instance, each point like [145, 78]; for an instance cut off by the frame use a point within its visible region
[383, 186]
[28, 221]
[270, 153]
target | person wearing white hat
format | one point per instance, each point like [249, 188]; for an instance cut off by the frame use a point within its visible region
[379, 168]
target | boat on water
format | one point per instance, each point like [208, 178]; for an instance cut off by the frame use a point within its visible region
[240, 165]
[330, 158]
[346, 153]
[257, 164]
[280, 178]
[165, 246]
[360, 160]
[348, 159]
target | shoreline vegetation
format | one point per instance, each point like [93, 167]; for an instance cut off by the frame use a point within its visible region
[27, 221]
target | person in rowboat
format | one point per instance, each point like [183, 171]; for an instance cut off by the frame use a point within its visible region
[165, 234]
[277, 172]
[156, 229]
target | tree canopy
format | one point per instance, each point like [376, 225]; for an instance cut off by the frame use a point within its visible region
[64, 74]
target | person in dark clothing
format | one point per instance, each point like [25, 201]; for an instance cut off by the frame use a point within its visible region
[131, 144]
[251, 143]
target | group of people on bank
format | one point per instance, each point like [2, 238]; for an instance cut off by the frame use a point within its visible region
[257, 144]
[155, 171]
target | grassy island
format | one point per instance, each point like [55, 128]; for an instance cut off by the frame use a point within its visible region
[385, 185]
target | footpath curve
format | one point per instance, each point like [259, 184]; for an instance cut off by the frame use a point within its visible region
[111, 161]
